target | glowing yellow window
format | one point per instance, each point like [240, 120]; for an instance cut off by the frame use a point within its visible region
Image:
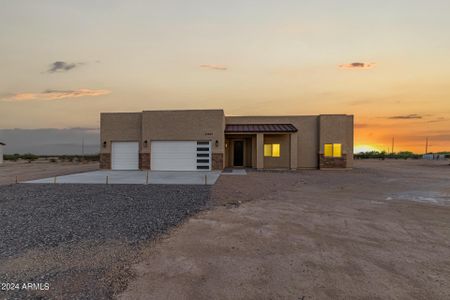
[267, 149]
[328, 150]
[337, 150]
[276, 150]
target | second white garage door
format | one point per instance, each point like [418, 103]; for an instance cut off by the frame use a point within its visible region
[177, 155]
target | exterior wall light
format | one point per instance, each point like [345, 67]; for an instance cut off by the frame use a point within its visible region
[217, 143]
[145, 143]
[104, 144]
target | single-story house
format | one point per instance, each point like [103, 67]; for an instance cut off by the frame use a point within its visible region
[1, 152]
[188, 140]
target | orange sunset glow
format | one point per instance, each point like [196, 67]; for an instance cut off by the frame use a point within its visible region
[386, 65]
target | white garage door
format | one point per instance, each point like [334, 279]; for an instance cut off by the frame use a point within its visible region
[125, 156]
[180, 155]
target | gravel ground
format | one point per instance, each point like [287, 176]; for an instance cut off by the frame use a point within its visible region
[81, 238]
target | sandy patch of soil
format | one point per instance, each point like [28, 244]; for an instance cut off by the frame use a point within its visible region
[311, 234]
[24, 171]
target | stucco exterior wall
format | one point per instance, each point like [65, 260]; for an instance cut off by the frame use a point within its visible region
[281, 162]
[248, 153]
[350, 138]
[119, 127]
[307, 136]
[187, 125]
[337, 129]
[228, 153]
[1, 154]
[333, 129]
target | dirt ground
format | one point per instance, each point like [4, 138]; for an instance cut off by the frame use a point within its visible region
[24, 170]
[379, 231]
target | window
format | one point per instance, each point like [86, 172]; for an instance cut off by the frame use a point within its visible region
[276, 150]
[337, 150]
[328, 150]
[272, 150]
[267, 149]
[332, 150]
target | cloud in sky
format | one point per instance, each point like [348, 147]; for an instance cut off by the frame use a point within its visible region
[358, 66]
[214, 67]
[56, 95]
[441, 119]
[62, 66]
[406, 117]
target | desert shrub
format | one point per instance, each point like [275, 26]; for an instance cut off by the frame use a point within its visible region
[63, 158]
[12, 157]
[371, 154]
[29, 157]
[383, 155]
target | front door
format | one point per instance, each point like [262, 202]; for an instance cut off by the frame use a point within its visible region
[238, 154]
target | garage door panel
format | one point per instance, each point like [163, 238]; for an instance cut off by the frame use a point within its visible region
[171, 165]
[173, 146]
[174, 155]
[125, 156]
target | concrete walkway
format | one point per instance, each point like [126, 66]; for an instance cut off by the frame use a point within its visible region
[238, 172]
[135, 177]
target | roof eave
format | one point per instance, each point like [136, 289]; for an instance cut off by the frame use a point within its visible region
[293, 131]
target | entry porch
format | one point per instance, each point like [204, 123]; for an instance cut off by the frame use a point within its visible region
[261, 146]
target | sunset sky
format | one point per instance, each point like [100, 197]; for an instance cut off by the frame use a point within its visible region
[387, 62]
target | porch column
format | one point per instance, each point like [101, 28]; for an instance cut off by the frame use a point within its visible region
[294, 151]
[260, 151]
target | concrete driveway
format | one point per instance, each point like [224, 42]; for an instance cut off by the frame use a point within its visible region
[136, 177]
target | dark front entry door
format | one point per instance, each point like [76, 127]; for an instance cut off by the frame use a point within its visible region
[238, 154]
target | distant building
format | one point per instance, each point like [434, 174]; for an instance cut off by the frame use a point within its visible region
[1, 152]
[434, 156]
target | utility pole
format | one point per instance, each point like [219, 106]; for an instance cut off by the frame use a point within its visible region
[82, 146]
[426, 145]
[392, 145]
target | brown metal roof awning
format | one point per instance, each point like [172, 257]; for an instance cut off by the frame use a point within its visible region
[229, 128]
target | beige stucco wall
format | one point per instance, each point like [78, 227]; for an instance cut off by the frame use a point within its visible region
[307, 137]
[163, 125]
[248, 153]
[119, 127]
[188, 125]
[310, 135]
[350, 137]
[283, 160]
[1, 154]
[337, 129]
